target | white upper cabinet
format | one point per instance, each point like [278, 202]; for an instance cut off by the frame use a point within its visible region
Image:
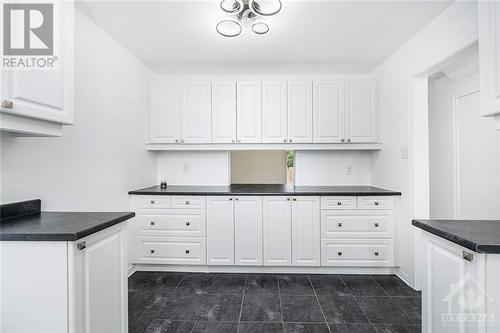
[196, 112]
[40, 101]
[248, 230]
[274, 112]
[300, 115]
[489, 56]
[220, 230]
[224, 112]
[249, 112]
[328, 111]
[277, 222]
[164, 122]
[305, 231]
[361, 111]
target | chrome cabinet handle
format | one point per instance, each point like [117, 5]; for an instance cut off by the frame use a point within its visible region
[294, 199]
[467, 256]
[376, 253]
[182, 140]
[82, 245]
[342, 140]
[188, 223]
[187, 202]
[176, 140]
[376, 203]
[284, 140]
[6, 104]
[339, 203]
[187, 251]
[339, 253]
[231, 198]
[236, 198]
[376, 225]
[348, 140]
[287, 199]
[152, 202]
[339, 225]
[152, 251]
[290, 140]
[152, 222]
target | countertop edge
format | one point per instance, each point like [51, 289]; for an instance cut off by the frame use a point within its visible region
[357, 194]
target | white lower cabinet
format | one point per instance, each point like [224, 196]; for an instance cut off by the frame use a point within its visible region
[171, 250]
[357, 252]
[277, 218]
[248, 230]
[305, 231]
[220, 230]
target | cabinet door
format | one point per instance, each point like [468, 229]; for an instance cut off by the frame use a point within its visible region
[249, 112]
[196, 112]
[300, 115]
[223, 112]
[164, 115]
[274, 112]
[220, 230]
[248, 230]
[489, 56]
[305, 231]
[361, 111]
[448, 278]
[46, 94]
[328, 111]
[101, 287]
[277, 222]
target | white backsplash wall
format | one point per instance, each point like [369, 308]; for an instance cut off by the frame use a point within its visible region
[194, 167]
[330, 168]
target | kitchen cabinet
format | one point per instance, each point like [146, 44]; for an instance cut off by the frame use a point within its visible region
[300, 112]
[305, 231]
[361, 119]
[328, 111]
[274, 112]
[249, 112]
[277, 221]
[489, 57]
[164, 123]
[220, 230]
[224, 112]
[196, 112]
[248, 230]
[40, 102]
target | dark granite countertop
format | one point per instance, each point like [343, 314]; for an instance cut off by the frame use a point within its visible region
[24, 222]
[264, 189]
[481, 236]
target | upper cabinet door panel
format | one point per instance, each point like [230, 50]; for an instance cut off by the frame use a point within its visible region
[46, 94]
[196, 112]
[164, 122]
[328, 111]
[224, 112]
[489, 56]
[361, 111]
[249, 112]
[274, 112]
[300, 115]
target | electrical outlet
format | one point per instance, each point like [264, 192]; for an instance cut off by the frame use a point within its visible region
[185, 168]
[404, 153]
[348, 170]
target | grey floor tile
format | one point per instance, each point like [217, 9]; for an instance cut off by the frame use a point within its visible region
[305, 328]
[397, 328]
[295, 285]
[228, 284]
[220, 307]
[195, 283]
[329, 285]
[342, 310]
[261, 308]
[394, 286]
[215, 327]
[154, 281]
[138, 322]
[260, 328]
[141, 301]
[183, 307]
[382, 310]
[261, 284]
[169, 326]
[412, 306]
[351, 328]
[301, 309]
[363, 285]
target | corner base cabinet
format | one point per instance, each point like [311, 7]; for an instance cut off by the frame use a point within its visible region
[76, 286]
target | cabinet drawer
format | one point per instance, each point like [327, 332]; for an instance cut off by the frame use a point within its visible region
[356, 252]
[338, 202]
[375, 202]
[188, 201]
[352, 224]
[156, 201]
[173, 222]
[170, 250]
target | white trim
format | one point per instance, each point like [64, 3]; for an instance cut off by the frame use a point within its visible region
[265, 146]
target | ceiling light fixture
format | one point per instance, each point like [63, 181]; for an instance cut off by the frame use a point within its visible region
[246, 12]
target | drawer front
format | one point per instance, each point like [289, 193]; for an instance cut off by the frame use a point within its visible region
[375, 202]
[356, 252]
[188, 201]
[369, 224]
[173, 222]
[338, 202]
[157, 201]
[170, 250]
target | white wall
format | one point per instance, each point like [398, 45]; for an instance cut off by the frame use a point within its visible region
[330, 168]
[101, 157]
[258, 167]
[389, 168]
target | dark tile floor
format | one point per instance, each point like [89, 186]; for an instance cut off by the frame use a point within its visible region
[261, 303]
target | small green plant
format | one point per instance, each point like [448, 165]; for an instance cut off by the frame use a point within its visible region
[290, 158]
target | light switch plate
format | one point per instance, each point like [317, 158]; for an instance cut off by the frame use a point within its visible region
[404, 153]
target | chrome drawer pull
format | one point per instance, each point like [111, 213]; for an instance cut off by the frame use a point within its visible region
[467, 256]
[152, 202]
[339, 225]
[376, 253]
[152, 222]
[294, 199]
[152, 251]
[376, 203]
[376, 225]
[188, 223]
[187, 202]
[231, 198]
[339, 253]
[339, 203]
[187, 251]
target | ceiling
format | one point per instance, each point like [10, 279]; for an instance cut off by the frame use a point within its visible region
[306, 37]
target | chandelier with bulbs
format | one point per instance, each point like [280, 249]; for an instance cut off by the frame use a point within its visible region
[246, 13]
